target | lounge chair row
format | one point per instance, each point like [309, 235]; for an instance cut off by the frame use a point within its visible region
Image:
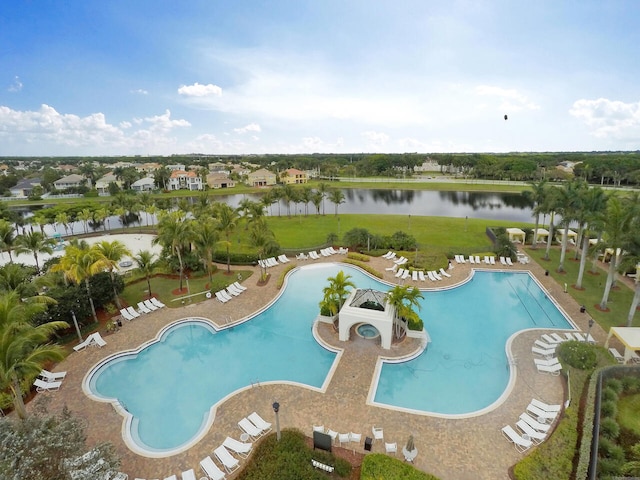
[48, 381]
[231, 291]
[533, 429]
[325, 252]
[93, 340]
[268, 262]
[418, 274]
[554, 338]
[144, 307]
[254, 425]
[634, 357]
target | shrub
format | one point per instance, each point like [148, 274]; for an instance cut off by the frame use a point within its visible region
[609, 428]
[403, 241]
[609, 394]
[378, 466]
[358, 257]
[356, 237]
[609, 467]
[609, 409]
[615, 384]
[283, 274]
[578, 354]
[608, 449]
[631, 384]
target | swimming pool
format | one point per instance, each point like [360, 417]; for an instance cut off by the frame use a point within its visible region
[168, 389]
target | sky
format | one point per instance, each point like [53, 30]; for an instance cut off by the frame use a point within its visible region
[160, 77]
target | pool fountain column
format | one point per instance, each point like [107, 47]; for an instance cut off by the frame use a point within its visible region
[276, 408]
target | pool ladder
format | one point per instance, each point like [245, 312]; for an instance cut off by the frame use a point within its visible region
[256, 383]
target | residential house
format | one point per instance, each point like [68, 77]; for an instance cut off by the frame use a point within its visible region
[176, 167]
[181, 180]
[145, 184]
[293, 176]
[102, 184]
[25, 186]
[261, 178]
[70, 181]
[220, 180]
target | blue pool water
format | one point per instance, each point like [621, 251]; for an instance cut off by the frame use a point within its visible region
[169, 386]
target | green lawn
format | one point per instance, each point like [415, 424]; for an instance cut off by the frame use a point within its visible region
[628, 408]
[619, 299]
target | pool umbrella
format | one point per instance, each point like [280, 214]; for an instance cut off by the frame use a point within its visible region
[410, 446]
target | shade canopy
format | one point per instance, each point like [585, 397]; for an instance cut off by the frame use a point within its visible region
[542, 235]
[515, 235]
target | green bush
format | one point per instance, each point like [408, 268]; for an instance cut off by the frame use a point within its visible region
[609, 394]
[283, 274]
[608, 449]
[290, 459]
[631, 384]
[609, 409]
[609, 467]
[358, 257]
[377, 466]
[615, 384]
[609, 428]
[578, 354]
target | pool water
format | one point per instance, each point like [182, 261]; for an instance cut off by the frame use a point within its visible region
[169, 386]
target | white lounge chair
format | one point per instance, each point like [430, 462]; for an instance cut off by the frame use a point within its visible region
[225, 295]
[332, 250]
[472, 259]
[301, 256]
[546, 346]
[521, 443]
[404, 260]
[399, 261]
[400, 272]
[405, 275]
[549, 339]
[378, 433]
[547, 362]
[42, 386]
[542, 352]
[283, 258]
[551, 370]
[545, 406]
[462, 260]
[241, 448]
[232, 291]
[48, 376]
[343, 250]
[634, 357]
[541, 414]
[249, 428]
[486, 259]
[431, 277]
[189, 475]
[239, 286]
[211, 470]
[533, 423]
[492, 260]
[259, 422]
[132, 312]
[125, 314]
[230, 464]
[503, 261]
[616, 354]
[157, 302]
[436, 276]
[444, 273]
[534, 435]
[421, 276]
[558, 338]
[386, 255]
[391, 448]
[324, 253]
[142, 308]
[509, 262]
[478, 259]
[172, 477]
[457, 258]
[220, 298]
[84, 344]
[97, 340]
[392, 269]
[314, 255]
[150, 305]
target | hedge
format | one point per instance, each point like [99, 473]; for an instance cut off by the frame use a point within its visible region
[377, 466]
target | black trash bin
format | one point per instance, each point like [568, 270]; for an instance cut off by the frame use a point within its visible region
[368, 441]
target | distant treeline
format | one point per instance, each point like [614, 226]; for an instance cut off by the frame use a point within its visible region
[606, 168]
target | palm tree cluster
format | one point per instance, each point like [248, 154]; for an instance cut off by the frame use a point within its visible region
[287, 195]
[608, 226]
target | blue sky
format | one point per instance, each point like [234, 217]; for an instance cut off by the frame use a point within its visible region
[142, 77]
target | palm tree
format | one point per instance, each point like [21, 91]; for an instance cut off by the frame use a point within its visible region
[337, 198]
[146, 266]
[145, 200]
[616, 225]
[593, 205]
[256, 212]
[549, 206]
[14, 277]
[323, 188]
[78, 264]
[63, 219]
[244, 207]
[205, 236]
[305, 197]
[34, 243]
[403, 299]
[112, 253]
[174, 233]
[336, 292]
[631, 244]
[84, 216]
[7, 237]
[537, 195]
[567, 206]
[24, 348]
[102, 215]
[316, 199]
[227, 223]
[265, 241]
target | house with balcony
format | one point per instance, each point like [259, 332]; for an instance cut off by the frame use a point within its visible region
[71, 181]
[181, 180]
[102, 184]
[220, 180]
[261, 178]
[293, 176]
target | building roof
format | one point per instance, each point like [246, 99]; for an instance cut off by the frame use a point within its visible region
[182, 173]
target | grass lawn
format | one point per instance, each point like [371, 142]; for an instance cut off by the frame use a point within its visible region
[165, 288]
[619, 299]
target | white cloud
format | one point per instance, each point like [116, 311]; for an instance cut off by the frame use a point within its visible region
[511, 99]
[46, 127]
[140, 91]
[609, 118]
[252, 127]
[16, 86]
[376, 140]
[198, 90]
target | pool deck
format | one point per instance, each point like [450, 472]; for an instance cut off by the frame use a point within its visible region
[452, 449]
